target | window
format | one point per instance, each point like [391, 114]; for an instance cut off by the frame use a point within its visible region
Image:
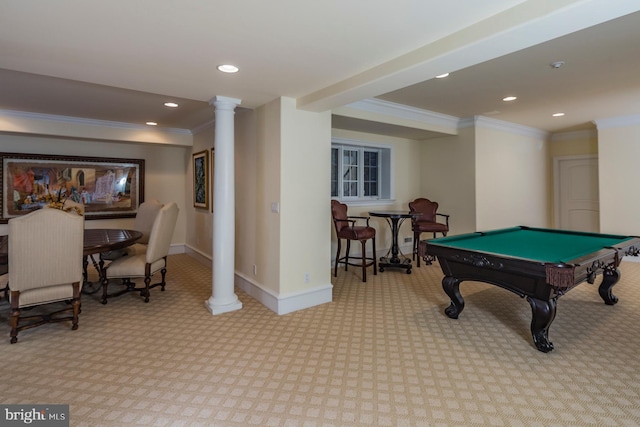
[360, 171]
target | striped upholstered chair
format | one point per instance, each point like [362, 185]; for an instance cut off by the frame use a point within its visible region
[146, 264]
[45, 267]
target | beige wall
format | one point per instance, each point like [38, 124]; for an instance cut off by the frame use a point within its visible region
[567, 144]
[249, 195]
[447, 176]
[511, 179]
[406, 187]
[165, 169]
[267, 183]
[273, 147]
[305, 152]
[619, 153]
[200, 229]
[487, 178]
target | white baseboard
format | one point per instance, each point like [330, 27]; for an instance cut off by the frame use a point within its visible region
[279, 303]
[201, 257]
[285, 303]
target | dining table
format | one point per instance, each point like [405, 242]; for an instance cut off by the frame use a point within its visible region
[96, 241]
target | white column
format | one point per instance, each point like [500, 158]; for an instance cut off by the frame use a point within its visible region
[223, 298]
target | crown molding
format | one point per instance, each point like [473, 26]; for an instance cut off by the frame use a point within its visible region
[488, 123]
[425, 116]
[404, 112]
[89, 122]
[206, 125]
[617, 122]
[575, 135]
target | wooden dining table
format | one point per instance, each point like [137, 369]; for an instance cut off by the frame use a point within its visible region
[96, 241]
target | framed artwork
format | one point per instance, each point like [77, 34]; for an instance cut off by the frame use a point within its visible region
[201, 180]
[107, 187]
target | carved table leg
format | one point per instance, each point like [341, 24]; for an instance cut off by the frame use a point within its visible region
[451, 286]
[609, 278]
[543, 314]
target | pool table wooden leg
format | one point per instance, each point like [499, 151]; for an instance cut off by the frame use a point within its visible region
[451, 286]
[610, 277]
[543, 314]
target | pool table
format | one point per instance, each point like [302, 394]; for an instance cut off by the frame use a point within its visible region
[537, 263]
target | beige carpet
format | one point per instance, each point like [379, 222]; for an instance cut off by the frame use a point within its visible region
[381, 354]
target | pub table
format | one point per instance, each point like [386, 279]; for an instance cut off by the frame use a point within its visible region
[395, 218]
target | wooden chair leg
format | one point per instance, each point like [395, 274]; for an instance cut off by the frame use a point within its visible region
[105, 293]
[75, 303]
[346, 259]
[15, 315]
[335, 268]
[163, 273]
[416, 243]
[364, 260]
[146, 292]
[375, 257]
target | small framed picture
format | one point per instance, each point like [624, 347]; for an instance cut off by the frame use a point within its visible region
[201, 180]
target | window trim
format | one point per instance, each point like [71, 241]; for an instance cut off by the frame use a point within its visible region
[390, 148]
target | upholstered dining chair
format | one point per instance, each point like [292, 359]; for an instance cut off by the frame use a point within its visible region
[146, 264]
[4, 286]
[45, 266]
[78, 208]
[426, 222]
[143, 222]
[73, 207]
[347, 229]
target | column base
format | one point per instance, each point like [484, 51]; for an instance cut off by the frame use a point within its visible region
[217, 308]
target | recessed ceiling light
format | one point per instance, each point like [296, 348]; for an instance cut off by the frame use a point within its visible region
[558, 114]
[442, 76]
[171, 104]
[152, 123]
[556, 64]
[228, 68]
[509, 98]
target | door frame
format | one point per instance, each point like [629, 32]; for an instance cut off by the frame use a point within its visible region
[556, 182]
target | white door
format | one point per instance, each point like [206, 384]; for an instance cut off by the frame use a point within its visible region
[577, 201]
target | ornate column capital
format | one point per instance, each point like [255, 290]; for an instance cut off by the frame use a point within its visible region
[224, 103]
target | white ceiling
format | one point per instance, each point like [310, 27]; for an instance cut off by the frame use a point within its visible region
[120, 61]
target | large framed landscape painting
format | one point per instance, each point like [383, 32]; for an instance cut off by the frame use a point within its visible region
[107, 187]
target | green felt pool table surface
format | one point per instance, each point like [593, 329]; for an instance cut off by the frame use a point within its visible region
[543, 245]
